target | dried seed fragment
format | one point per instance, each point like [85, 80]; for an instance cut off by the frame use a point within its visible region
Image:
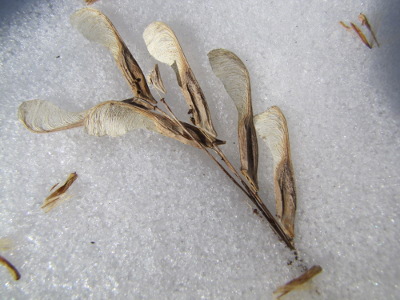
[95, 26]
[5, 244]
[89, 2]
[364, 22]
[42, 116]
[10, 267]
[235, 77]
[298, 282]
[163, 45]
[59, 195]
[156, 81]
[361, 35]
[344, 25]
[271, 126]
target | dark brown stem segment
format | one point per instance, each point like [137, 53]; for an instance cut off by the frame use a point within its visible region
[13, 270]
[200, 145]
[248, 190]
[255, 198]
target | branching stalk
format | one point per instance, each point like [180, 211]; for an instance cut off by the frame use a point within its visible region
[246, 188]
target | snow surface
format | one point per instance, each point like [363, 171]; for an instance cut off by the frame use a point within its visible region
[151, 218]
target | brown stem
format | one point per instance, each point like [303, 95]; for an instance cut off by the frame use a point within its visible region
[253, 196]
[258, 202]
[174, 118]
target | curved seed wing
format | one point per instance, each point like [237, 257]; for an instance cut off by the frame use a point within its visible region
[271, 126]
[95, 26]
[236, 80]
[116, 118]
[163, 45]
[43, 116]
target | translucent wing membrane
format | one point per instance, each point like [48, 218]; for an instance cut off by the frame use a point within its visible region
[42, 116]
[164, 46]
[235, 78]
[116, 118]
[98, 28]
[271, 126]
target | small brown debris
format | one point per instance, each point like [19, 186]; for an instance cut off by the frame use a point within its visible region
[5, 244]
[361, 35]
[298, 282]
[364, 22]
[89, 2]
[59, 195]
[156, 81]
[344, 25]
[10, 267]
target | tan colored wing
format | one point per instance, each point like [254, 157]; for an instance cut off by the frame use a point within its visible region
[163, 45]
[95, 26]
[271, 126]
[116, 118]
[42, 116]
[235, 77]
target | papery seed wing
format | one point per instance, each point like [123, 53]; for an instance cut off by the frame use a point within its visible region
[42, 116]
[236, 80]
[116, 118]
[163, 45]
[271, 126]
[95, 26]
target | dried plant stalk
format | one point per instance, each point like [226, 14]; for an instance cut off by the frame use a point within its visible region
[59, 195]
[115, 118]
[156, 81]
[235, 77]
[10, 267]
[95, 26]
[272, 128]
[364, 21]
[41, 116]
[298, 282]
[163, 45]
[361, 35]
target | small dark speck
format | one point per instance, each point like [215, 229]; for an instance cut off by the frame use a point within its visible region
[93, 242]
[58, 56]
